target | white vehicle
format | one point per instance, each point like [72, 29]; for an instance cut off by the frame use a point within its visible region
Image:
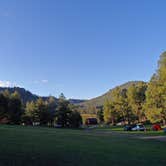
[138, 127]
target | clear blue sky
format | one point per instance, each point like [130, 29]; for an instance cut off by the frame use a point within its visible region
[79, 47]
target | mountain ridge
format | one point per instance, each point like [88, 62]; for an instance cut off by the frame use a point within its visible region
[93, 103]
[27, 96]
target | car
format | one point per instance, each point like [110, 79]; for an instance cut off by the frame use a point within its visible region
[138, 127]
[127, 128]
[156, 127]
[164, 130]
[135, 127]
[57, 125]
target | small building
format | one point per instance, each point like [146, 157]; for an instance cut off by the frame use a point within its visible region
[91, 121]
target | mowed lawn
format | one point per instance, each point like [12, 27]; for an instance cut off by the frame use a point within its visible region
[28, 146]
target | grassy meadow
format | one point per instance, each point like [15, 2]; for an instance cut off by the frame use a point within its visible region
[30, 146]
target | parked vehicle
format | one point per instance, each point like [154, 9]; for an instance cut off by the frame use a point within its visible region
[156, 127]
[164, 130]
[137, 127]
[57, 126]
[127, 128]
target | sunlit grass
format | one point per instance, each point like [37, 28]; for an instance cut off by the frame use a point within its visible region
[31, 146]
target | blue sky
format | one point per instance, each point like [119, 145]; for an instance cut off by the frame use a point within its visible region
[79, 47]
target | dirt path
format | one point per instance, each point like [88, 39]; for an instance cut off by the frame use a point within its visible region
[158, 138]
[126, 134]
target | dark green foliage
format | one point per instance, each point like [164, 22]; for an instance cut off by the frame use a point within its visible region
[126, 104]
[75, 119]
[38, 112]
[89, 106]
[31, 113]
[62, 112]
[136, 98]
[43, 113]
[100, 114]
[155, 107]
[10, 108]
[50, 113]
[66, 114]
[26, 96]
[15, 108]
[3, 106]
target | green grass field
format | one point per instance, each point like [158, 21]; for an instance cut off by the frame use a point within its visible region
[28, 146]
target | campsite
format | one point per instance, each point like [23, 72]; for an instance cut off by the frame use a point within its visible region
[82, 83]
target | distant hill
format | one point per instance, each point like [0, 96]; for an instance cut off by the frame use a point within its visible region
[26, 96]
[86, 106]
[76, 101]
[89, 105]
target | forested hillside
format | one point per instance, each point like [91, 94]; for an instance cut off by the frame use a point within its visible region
[133, 102]
[26, 96]
[90, 106]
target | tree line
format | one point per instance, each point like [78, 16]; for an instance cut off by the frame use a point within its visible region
[40, 112]
[140, 102]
